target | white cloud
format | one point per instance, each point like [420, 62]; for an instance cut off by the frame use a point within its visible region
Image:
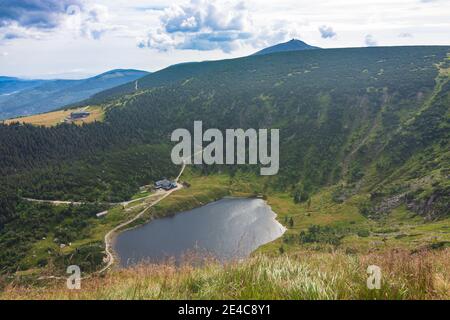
[38, 14]
[405, 35]
[370, 41]
[327, 32]
[210, 25]
[92, 21]
[15, 31]
[38, 19]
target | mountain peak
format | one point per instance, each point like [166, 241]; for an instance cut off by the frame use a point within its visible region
[291, 45]
[121, 73]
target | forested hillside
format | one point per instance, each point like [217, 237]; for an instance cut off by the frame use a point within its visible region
[372, 120]
[341, 112]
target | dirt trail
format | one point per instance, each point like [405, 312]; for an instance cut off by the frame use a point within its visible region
[110, 235]
[77, 203]
[56, 202]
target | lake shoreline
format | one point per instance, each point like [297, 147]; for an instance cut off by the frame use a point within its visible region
[266, 219]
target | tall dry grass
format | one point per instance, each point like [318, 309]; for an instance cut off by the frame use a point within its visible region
[305, 275]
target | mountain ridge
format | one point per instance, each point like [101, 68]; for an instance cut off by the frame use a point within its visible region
[20, 97]
[127, 88]
[183, 71]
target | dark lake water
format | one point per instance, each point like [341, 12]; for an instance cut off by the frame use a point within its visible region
[227, 229]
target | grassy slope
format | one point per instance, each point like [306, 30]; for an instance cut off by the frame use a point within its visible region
[401, 228]
[306, 275]
[54, 118]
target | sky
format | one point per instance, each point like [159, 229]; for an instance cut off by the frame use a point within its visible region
[79, 38]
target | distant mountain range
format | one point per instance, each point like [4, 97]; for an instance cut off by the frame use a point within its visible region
[20, 97]
[292, 45]
[10, 85]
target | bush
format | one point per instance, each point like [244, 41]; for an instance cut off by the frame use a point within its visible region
[318, 234]
[365, 208]
[363, 233]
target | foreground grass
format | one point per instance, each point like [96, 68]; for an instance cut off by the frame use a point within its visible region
[304, 275]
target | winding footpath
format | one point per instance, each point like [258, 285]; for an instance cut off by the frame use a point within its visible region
[110, 235]
[77, 203]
